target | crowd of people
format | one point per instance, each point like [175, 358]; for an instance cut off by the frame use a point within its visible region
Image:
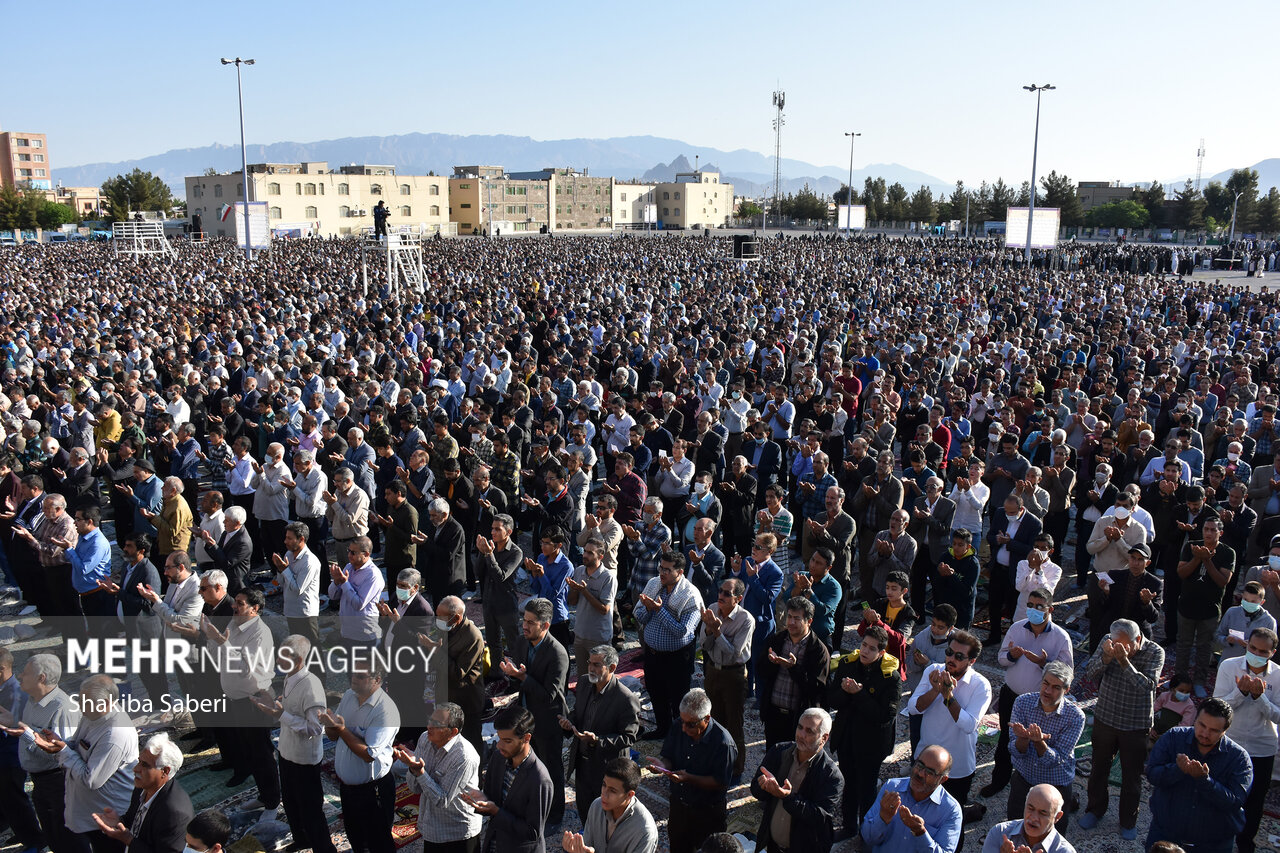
[805, 484]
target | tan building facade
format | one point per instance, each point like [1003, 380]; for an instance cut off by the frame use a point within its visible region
[630, 203]
[486, 200]
[1097, 193]
[24, 160]
[694, 200]
[332, 201]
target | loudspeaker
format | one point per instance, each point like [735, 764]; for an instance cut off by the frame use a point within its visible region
[745, 247]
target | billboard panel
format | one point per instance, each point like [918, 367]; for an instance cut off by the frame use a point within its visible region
[259, 230]
[845, 213]
[1044, 228]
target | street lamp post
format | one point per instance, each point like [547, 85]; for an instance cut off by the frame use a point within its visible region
[1232, 239]
[244, 154]
[1035, 148]
[848, 223]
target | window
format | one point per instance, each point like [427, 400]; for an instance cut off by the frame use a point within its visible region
[521, 209]
[217, 190]
[24, 173]
[309, 189]
[667, 196]
[597, 191]
[464, 186]
[22, 143]
[23, 158]
[434, 210]
[622, 214]
[240, 190]
[665, 212]
[465, 205]
[311, 212]
[276, 213]
[321, 188]
[677, 195]
[677, 213]
[344, 189]
[37, 143]
[39, 158]
[297, 188]
[517, 190]
[344, 211]
[375, 189]
[406, 210]
[404, 189]
[433, 190]
[558, 208]
[40, 173]
[273, 189]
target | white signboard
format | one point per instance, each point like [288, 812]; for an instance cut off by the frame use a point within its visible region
[847, 212]
[259, 230]
[650, 214]
[1044, 228]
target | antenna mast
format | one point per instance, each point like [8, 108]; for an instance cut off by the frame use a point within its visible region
[1199, 162]
[779, 101]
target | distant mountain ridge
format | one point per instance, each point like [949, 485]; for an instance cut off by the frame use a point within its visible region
[626, 158]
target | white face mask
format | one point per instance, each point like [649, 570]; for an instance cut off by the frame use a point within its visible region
[699, 488]
[442, 624]
[1233, 456]
[1122, 512]
[1101, 478]
[1012, 518]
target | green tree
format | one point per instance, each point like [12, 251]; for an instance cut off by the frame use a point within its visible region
[1152, 198]
[1217, 201]
[51, 215]
[1002, 199]
[1211, 225]
[923, 208]
[1244, 182]
[873, 195]
[982, 204]
[1118, 214]
[841, 195]
[749, 209]
[137, 191]
[1269, 212]
[896, 200]
[1189, 208]
[1024, 195]
[19, 209]
[1060, 192]
[805, 204]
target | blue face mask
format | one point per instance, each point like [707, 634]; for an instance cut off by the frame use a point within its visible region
[1036, 617]
[1254, 660]
[1250, 607]
[1180, 696]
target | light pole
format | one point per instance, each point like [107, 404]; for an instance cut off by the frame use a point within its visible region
[244, 154]
[848, 223]
[1035, 147]
[1232, 239]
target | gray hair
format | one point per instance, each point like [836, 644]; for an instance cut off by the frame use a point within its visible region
[1127, 627]
[823, 718]
[46, 666]
[174, 483]
[168, 755]
[298, 644]
[343, 475]
[607, 652]
[453, 605]
[654, 503]
[412, 577]
[439, 505]
[454, 714]
[696, 702]
[1061, 671]
[506, 521]
[236, 514]
[304, 456]
[216, 577]
[100, 688]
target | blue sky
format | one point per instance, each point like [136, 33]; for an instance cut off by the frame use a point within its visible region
[931, 85]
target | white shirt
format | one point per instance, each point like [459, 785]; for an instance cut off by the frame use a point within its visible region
[1253, 725]
[214, 524]
[959, 736]
[247, 659]
[619, 436]
[1002, 555]
[968, 515]
[307, 492]
[301, 579]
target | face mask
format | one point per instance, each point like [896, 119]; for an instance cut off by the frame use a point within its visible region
[1180, 696]
[1036, 617]
[1100, 478]
[737, 395]
[1250, 607]
[403, 594]
[699, 488]
[646, 517]
[1233, 456]
[442, 625]
[1012, 518]
[994, 436]
[1274, 562]
[1254, 660]
[1122, 512]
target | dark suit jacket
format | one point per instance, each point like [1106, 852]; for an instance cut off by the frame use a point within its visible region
[770, 464]
[164, 826]
[934, 530]
[443, 557]
[139, 621]
[810, 675]
[522, 813]
[80, 488]
[739, 499]
[1146, 615]
[557, 513]
[1023, 541]
[483, 525]
[706, 575]
[233, 557]
[617, 724]
[839, 538]
[417, 618]
[812, 806]
[710, 453]
[542, 691]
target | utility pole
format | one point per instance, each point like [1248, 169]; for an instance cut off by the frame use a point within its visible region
[848, 223]
[1035, 147]
[244, 155]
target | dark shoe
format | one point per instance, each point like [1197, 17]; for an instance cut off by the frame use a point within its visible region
[219, 766]
[992, 789]
[652, 734]
[236, 780]
[973, 813]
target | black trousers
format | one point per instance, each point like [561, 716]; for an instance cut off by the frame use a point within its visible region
[1056, 525]
[93, 841]
[689, 826]
[1000, 594]
[316, 535]
[245, 502]
[1253, 803]
[779, 723]
[861, 780]
[248, 740]
[371, 810]
[667, 676]
[1003, 761]
[549, 747]
[273, 536]
[303, 799]
[48, 795]
[922, 571]
[467, 845]
[17, 809]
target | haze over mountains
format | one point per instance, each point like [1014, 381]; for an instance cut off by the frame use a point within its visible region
[648, 158]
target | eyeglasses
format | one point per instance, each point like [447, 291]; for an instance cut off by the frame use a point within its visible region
[725, 593]
[918, 764]
[952, 653]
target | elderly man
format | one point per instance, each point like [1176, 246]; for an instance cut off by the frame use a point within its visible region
[55, 540]
[799, 785]
[1011, 537]
[1200, 779]
[916, 813]
[646, 541]
[307, 487]
[443, 767]
[1248, 684]
[698, 759]
[1044, 726]
[348, 509]
[602, 726]
[358, 587]
[271, 498]
[668, 609]
[1036, 830]
[173, 523]
[41, 706]
[459, 665]
[892, 551]
[232, 551]
[442, 555]
[159, 809]
[1127, 669]
[706, 561]
[365, 724]
[726, 648]
[246, 656]
[97, 762]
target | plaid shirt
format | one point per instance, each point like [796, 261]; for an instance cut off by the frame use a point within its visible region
[442, 816]
[1263, 446]
[673, 625]
[215, 456]
[647, 551]
[1127, 693]
[1058, 764]
[786, 693]
[504, 472]
[814, 503]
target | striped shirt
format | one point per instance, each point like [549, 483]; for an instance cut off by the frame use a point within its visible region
[673, 625]
[647, 551]
[442, 815]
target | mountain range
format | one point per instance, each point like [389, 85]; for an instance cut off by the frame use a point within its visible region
[625, 158]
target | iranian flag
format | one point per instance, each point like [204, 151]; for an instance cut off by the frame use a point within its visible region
[224, 213]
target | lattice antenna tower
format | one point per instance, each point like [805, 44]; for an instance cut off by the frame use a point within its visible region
[779, 101]
[1199, 162]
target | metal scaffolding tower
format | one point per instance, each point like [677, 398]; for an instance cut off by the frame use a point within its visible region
[132, 237]
[1199, 162]
[403, 253]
